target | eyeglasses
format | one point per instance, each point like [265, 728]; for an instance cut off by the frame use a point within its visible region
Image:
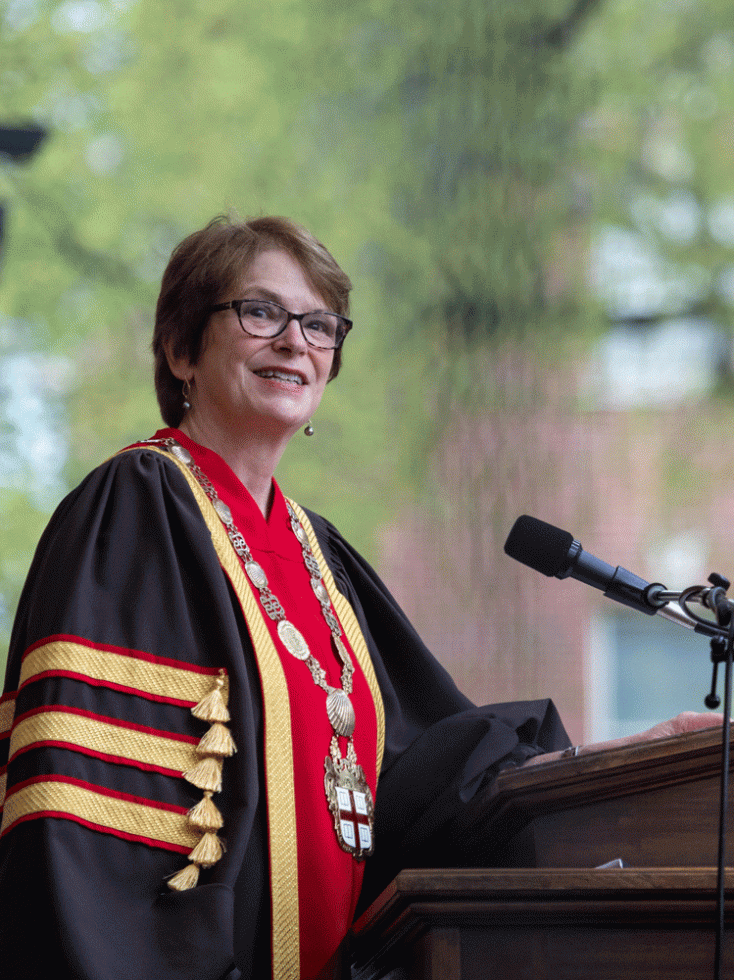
[261, 318]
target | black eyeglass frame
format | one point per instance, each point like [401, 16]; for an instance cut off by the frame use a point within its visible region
[236, 305]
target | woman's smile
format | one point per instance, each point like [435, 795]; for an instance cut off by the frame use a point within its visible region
[287, 377]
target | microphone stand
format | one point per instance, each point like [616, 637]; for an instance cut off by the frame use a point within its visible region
[722, 651]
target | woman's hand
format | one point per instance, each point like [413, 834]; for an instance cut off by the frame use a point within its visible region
[686, 721]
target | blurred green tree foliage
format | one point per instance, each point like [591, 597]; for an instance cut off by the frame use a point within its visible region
[423, 141]
[655, 151]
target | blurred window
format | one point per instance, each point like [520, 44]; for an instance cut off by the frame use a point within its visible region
[658, 364]
[642, 670]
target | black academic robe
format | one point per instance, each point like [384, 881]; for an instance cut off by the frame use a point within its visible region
[127, 565]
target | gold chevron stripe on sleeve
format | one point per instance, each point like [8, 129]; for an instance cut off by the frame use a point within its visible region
[7, 711]
[116, 814]
[351, 626]
[129, 745]
[139, 674]
[280, 791]
[3, 787]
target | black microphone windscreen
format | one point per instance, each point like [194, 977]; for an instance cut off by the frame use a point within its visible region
[539, 545]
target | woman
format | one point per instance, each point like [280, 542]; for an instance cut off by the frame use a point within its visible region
[205, 681]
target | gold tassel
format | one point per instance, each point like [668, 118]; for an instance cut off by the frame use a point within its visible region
[185, 879]
[206, 774]
[217, 741]
[205, 816]
[213, 707]
[208, 851]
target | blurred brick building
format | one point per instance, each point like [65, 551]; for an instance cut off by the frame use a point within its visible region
[643, 478]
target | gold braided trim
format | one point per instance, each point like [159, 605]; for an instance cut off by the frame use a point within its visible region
[7, 712]
[103, 738]
[278, 747]
[351, 627]
[101, 809]
[3, 787]
[138, 673]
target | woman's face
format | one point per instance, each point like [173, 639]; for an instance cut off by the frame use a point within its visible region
[269, 385]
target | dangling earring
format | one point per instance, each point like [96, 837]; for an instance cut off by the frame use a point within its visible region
[186, 392]
[308, 431]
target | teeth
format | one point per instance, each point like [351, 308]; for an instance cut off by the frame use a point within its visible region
[282, 375]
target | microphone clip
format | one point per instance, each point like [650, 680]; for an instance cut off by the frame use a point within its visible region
[714, 598]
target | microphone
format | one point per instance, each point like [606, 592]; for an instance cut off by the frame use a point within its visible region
[555, 553]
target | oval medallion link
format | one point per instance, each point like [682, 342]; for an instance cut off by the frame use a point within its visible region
[292, 640]
[223, 510]
[320, 590]
[256, 574]
[342, 651]
[180, 453]
[340, 713]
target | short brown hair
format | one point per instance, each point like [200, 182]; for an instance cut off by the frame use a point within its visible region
[211, 261]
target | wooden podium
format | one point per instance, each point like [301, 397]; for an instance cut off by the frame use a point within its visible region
[541, 907]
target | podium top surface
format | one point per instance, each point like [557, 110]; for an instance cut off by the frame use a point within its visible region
[651, 804]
